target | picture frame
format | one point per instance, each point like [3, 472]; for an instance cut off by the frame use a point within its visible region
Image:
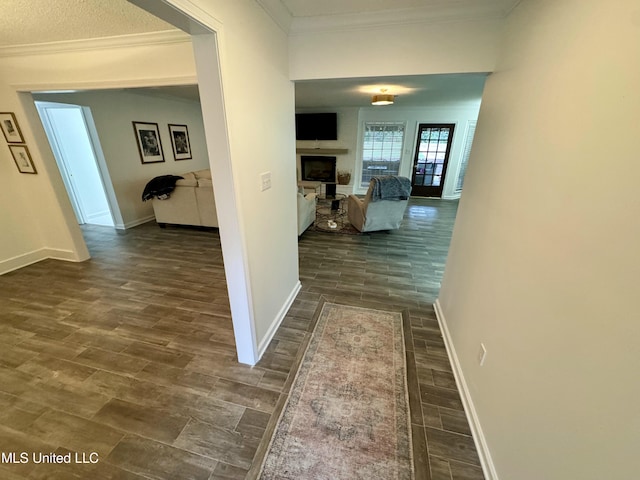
[22, 157]
[148, 141]
[10, 128]
[180, 141]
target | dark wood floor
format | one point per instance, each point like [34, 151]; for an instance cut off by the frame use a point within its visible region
[131, 354]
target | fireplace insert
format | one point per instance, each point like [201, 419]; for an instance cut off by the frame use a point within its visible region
[318, 169]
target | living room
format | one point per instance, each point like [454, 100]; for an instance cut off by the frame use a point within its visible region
[529, 268]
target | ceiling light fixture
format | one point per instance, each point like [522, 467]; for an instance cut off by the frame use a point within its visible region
[382, 99]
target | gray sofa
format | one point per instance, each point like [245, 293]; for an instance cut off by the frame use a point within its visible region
[190, 203]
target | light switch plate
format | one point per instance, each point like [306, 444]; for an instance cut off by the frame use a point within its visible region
[265, 181]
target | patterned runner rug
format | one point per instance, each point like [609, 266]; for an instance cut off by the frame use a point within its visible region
[347, 416]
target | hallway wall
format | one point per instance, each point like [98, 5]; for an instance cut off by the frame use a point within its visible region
[543, 267]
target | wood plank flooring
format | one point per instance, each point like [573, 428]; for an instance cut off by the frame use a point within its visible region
[131, 355]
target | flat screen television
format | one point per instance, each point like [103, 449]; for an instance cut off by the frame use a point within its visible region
[316, 126]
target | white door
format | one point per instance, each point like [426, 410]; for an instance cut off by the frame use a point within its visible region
[73, 149]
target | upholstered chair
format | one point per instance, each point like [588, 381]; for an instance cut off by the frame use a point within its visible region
[371, 214]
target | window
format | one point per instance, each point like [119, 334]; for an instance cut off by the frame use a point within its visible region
[381, 150]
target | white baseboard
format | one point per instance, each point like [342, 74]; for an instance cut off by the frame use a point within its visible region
[57, 254]
[29, 258]
[135, 223]
[454, 196]
[262, 346]
[488, 467]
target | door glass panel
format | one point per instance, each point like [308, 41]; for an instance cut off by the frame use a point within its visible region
[432, 151]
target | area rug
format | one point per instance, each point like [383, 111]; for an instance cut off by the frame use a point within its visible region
[347, 415]
[325, 214]
[342, 224]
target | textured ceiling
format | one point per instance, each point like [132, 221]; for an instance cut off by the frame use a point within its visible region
[41, 21]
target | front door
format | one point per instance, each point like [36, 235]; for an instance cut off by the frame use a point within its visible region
[431, 159]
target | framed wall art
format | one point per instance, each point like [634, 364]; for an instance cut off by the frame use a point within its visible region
[148, 140]
[180, 142]
[22, 157]
[10, 128]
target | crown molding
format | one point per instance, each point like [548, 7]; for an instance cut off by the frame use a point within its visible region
[49, 87]
[138, 39]
[409, 16]
[278, 13]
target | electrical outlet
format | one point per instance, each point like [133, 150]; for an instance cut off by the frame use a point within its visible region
[482, 354]
[265, 181]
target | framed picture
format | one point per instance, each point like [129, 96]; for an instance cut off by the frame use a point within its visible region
[148, 139]
[180, 142]
[22, 157]
[10, 128]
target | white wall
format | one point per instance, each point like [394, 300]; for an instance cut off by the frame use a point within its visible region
[414, 49]
[543, 267]
[113, 111]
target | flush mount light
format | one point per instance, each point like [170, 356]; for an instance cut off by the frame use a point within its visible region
[382, 98]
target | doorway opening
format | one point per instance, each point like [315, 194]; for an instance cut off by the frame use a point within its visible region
[76, 150]
[431, 159]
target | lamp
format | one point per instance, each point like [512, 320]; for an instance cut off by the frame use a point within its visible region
[382, 98]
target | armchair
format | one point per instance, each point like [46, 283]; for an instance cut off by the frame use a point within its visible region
[379, 213]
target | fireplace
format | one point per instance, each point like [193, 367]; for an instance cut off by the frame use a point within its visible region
[319, 169]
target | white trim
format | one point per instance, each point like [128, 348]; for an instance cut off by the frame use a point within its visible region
[57, 254]
[35, 256]
[278, 320]
[479, 439]
[135, 223]
[137, 39]
[447, 12]
[67, 87]
[278, 13]
[453, 196]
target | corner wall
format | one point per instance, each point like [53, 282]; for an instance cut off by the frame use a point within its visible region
[543, 266]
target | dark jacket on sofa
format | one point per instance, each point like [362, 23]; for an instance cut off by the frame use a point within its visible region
[160, 187]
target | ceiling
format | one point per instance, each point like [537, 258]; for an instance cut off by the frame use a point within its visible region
[65, 20]
[413, 90]
[24, 22]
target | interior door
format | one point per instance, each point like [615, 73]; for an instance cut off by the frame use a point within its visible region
[431, 159]
[73, 149]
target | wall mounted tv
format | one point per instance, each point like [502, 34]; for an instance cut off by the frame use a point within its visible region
[316, 126]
